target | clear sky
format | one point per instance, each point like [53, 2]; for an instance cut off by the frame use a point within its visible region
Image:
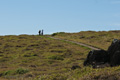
[29, 16]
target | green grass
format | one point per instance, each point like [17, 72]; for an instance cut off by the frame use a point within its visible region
[25, 55]
[101, 39]
[42, 58]
[15, 72]
[56, 57]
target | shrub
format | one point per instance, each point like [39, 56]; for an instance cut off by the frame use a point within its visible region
[30, 55]
[34, 55]
[56, 57]
[54, 34]
[14, 72]
[21, 71]
[7, 72]
[51, 62]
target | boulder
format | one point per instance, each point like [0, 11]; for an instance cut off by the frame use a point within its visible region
[75, 67]
[113, 48]
[96, 57]
[115, 59]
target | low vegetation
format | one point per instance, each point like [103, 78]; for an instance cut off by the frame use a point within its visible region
[38, 58]
[101, 39]
[32, 57]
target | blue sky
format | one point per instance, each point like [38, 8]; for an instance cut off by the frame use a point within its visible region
[28, 16]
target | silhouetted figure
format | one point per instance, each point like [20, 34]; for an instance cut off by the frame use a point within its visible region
[39, 32]
[42, 32]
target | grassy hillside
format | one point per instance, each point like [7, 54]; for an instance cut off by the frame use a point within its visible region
[38, 57]
[100, 39]
[30, 57]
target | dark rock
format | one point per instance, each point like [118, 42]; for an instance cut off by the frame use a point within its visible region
[100, 65]
[115, 60]
[18, 46]
[90, 37]
[29, 75]
[33, 66]
[96, 57]
[1, 74]
[1, 51]
[82, 37]
[115, 46]
[75, 67]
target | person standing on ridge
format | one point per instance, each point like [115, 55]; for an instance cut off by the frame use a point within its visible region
[39, 32]
[42, 32]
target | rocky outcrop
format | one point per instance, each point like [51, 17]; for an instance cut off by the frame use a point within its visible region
[115, 59]
[101, 57]
[96, 57]
[113, 50]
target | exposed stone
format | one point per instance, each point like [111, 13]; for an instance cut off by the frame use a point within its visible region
[114, 47]
[75, 67]
[97, 58]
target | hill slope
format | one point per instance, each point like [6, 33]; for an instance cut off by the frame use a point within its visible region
[32, 56]
[41, 58]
